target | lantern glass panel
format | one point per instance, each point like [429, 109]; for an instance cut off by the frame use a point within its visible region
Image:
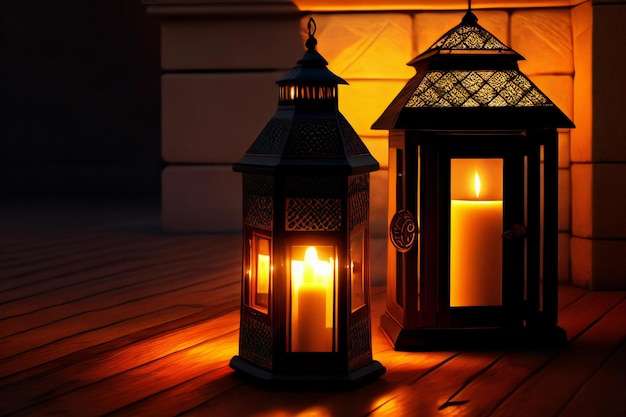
[476, 216]
[357, 249]
[313, 272]
[259, 272]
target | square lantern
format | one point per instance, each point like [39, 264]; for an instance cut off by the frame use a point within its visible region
[305, 301]
[472, 257]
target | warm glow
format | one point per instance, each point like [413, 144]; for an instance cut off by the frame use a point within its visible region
[477, 184]
[475, 242]
[263, 273]
[312, 283]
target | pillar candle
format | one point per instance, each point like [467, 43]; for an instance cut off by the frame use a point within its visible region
[475, 252]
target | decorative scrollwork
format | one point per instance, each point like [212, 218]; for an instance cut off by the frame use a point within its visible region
[402, 230]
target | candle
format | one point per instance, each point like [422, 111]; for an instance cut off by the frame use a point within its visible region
[475, 251]
[263, 273]
[312, 281]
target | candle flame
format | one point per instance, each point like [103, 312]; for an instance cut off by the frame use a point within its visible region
[477, 184]
[311, 255]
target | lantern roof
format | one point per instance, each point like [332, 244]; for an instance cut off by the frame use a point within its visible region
[308, 135]
[469, 79]
[312, 68]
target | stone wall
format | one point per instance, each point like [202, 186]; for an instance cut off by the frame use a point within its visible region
[220, 64]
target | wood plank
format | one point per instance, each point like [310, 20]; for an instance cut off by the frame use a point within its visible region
[109, 290]
[195, 344]
[607, 388]
[515, 367]
[552, 387]
[130, 386]
[94, 278]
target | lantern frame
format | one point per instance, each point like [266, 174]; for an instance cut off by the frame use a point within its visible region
[306, 185]
[469, 101]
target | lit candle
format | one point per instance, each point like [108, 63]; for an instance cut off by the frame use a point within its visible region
[476, 251]
[263, 273]
[312, 281]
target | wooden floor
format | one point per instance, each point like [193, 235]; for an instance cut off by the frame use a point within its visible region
[102, 314]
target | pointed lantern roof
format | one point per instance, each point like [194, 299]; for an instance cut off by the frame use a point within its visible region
[308, 134]
[469, 79]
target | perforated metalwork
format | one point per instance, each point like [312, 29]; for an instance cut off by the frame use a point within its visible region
[352, 142]
[255, 342]
[257, 211]
[313, 214]
[258, 184]
[271, 139]
[258, 205]
[358, 200]
[469, 36]
[360, 344]
[479, 88]
[314, 138]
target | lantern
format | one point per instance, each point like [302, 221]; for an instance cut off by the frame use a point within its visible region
[472, 257]
[305, 302]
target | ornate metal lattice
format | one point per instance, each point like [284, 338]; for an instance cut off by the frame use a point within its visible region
[358, 192]
[257, 211]
[478, 88]
[256, 341]
[258, 184]
[271, 139]
[360, 342]
[258, 205]
[314, 138]
[469, 35]
[313, 214]
[352, 142]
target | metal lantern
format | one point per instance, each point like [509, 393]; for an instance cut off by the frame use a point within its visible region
[305, 302]
[472, 258]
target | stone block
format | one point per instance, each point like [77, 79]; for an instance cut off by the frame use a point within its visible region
[214, 118]
[544, 38]
[564, 258]
[581, 261]
[430, 26]
[559, 89]
[365, 46]
[609, 83]
[608, 266]
[609, 201]
[201, 199]
[599, 264]
[564, 200]
[205, 42]
[582, 193]
[581, 145]
[362, 103]
[378, 203]
[564, 148]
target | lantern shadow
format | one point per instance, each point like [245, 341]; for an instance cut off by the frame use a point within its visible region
[239, 396]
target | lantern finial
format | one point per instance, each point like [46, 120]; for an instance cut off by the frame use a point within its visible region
[311, 42]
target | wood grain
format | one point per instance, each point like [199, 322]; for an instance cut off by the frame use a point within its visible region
[130, 322]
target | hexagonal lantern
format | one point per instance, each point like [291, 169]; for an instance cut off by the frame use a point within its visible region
[305, 302]
[472, 259]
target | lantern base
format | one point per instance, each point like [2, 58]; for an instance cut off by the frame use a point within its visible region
[471, 338]
[271, 380]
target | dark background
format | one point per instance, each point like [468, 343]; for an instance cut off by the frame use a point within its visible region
[80, 99]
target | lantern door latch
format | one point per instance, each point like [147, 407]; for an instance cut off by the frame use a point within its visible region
[518, 231]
